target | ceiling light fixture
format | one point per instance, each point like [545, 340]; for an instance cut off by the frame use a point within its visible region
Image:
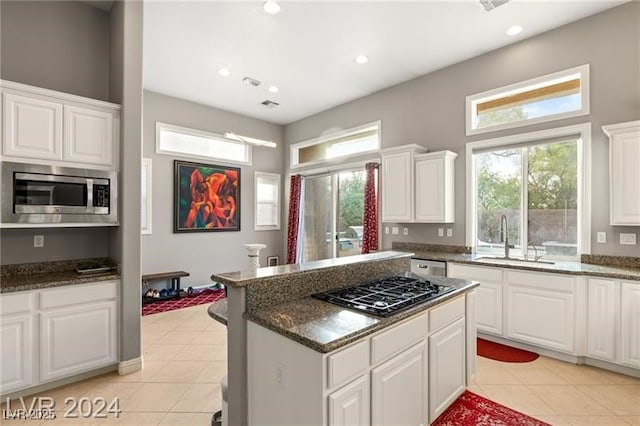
[361, 59]
[247, 139]
[514, 30]
[224, 72]
[273, 89]
[271, 7]
[251, 81]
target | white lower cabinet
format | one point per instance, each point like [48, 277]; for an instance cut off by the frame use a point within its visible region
[349, 406]
[55, 333]
[382, 379]
[399, 389]
[447, 369]
[602, 325]
[77, 339]
[630, 323]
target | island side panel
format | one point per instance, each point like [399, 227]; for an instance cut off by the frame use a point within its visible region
[237, 356]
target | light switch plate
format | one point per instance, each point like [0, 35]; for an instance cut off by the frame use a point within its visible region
[440, 232]
[602, 237]
[38, 240]
[395, 230]
[629, 239]
[449, 232]
[386, 230]
[405, 231]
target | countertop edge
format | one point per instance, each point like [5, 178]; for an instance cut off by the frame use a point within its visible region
[59, 283]
[219, 311]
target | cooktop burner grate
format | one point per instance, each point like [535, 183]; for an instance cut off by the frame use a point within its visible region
[386, 296]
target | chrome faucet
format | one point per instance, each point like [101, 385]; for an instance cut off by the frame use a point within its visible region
[504, 235]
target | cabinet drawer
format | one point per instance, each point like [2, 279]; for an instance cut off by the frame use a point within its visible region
[16, 303]
[475, 273]
[446, 313]
[348, 363]
[75, 294]
[552, 282]
[400, 337]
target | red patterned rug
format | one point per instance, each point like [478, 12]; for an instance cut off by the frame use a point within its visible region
[206, 296]
[504, 353]
[473, 410]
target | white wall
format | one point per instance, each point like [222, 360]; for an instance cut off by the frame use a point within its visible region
[204, 253]
[429, 110]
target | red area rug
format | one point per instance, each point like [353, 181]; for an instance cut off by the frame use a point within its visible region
[504, 353]
[206, 296]
[473, 410]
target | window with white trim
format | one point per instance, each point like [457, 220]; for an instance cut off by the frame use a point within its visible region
[555, 96]
[267, 201]
[145, 197]
[355, 141]
[182, 141]
[532, 191]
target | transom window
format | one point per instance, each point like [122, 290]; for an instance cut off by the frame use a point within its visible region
[186, 142]
[355, 141]
[559, 95]
[530, 190]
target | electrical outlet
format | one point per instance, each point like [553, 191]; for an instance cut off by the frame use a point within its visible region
[440, 232]
[281, 374]
[386, 230]
[629, 239]
[602, 237]
[38, 240]
[395, 230]
[405, 231]
[449, 232]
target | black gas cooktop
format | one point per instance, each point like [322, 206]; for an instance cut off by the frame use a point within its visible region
[386, 296]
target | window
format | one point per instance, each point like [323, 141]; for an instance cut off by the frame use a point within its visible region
[532, 189]
[267, 202]
[551, 97]
[359, 140]
[145, 197]
[176, 140]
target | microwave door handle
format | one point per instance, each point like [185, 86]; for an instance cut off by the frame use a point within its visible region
[90, 207]
[50, 178]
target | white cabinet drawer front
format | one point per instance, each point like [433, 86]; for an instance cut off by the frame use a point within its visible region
[16, 303]
[446, 313]
[348, 363]
[475, 273]
[76, 294]
[551, 282]
[541, 317]
[400, 337]
[77, 339]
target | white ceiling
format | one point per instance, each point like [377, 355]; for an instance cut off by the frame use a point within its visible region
[308, 49]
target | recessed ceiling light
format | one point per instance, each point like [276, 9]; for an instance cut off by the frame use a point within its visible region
[271, 7]
[361, 59]
[273, 89]
[516, 29]
[224, 72]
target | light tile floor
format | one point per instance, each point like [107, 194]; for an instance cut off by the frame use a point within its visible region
[185, 358]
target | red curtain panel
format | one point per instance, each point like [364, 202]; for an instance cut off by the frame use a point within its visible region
[294, 217]
[370, 220]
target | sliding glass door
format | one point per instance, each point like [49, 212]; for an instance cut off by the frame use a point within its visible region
[333, 208]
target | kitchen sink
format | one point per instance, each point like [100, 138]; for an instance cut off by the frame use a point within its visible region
[512, 261]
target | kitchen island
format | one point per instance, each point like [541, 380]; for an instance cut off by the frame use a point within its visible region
[297, 360]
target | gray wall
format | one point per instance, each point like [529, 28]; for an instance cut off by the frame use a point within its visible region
[59, 45]
[203, 253]
[126, 83]
[429, 110]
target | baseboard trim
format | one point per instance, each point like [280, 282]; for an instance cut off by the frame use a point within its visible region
[130, 366]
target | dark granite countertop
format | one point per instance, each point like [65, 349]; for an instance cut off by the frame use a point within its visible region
[559, 267]
[325, 327]
[219, 311]
[35, 276]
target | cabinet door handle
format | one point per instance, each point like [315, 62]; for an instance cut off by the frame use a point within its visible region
[423, 266]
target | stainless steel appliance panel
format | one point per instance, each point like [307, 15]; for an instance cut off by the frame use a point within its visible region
[429, 267]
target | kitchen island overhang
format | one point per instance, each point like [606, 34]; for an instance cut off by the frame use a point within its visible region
[271, 297]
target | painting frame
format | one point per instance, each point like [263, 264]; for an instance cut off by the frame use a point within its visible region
[206, 197]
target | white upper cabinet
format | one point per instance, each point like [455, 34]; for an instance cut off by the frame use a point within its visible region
[624, 173]
[47, 127]
[434, 187]
[417, 187]
[32, 127]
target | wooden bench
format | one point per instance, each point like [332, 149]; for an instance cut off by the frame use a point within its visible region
[174, 277]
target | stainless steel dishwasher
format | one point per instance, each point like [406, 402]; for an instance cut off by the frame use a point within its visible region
[429, 267]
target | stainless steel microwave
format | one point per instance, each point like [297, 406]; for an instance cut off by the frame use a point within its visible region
[35, 195]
